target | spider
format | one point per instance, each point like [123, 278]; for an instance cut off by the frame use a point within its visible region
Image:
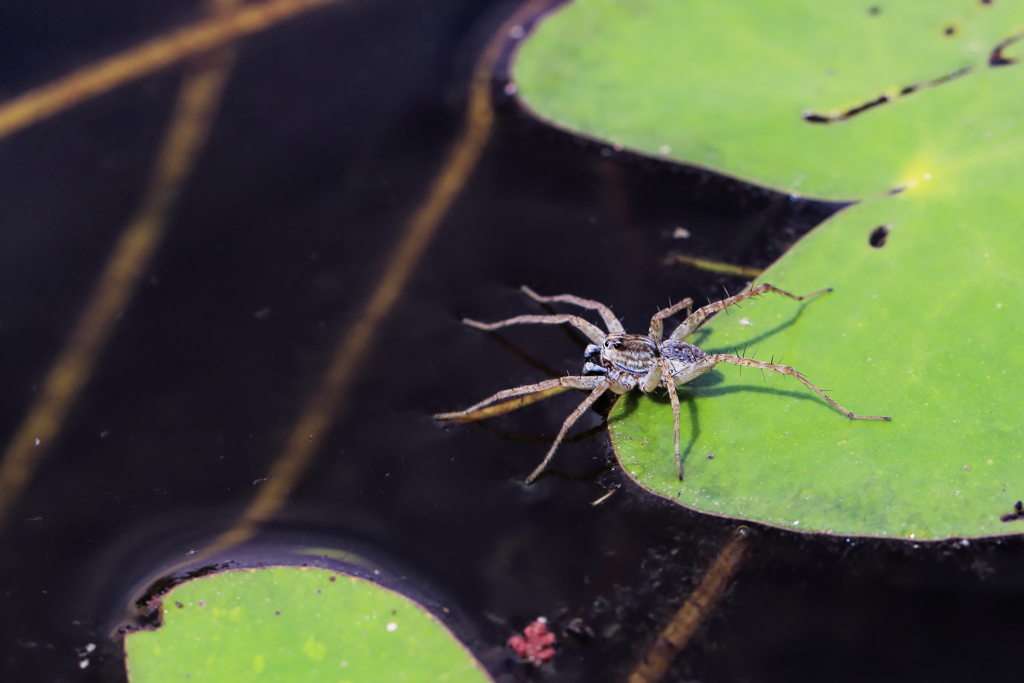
[621, 362]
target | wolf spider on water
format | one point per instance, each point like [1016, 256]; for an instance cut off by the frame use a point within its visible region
[622, 362]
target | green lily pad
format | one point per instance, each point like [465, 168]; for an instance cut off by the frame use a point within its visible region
[295, 624]
[924, 326]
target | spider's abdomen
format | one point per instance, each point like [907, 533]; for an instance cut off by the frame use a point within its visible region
[680, 355]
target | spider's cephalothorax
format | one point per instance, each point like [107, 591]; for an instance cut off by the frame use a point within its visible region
[625, 359]
[621, 362]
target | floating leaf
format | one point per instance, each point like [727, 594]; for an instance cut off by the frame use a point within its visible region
[295, 624]
[914, 110]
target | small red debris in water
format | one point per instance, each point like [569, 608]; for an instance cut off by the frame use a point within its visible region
[535, 644]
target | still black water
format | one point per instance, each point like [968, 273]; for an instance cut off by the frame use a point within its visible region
[331, 130]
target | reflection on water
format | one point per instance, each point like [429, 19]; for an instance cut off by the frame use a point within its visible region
[329, 134]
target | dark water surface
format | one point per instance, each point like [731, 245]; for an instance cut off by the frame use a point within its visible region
[331, 130]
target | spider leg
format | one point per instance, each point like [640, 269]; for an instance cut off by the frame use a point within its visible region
[530, 393]
[652, 379]
[786, 370]
[592, 331]
[658, 321]
[697, 318]
[673, 398]
[569, 421]
[610, 321]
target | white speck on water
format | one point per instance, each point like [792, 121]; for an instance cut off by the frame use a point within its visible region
[745, 321]
[665, 149]
[392, 627]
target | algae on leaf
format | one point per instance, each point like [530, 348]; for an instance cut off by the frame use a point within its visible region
[925, 326]
[295, 624]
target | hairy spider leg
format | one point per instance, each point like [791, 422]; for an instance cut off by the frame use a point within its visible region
[569, 421]
[697, 318]
[658, 321]
[548, 385]
[592, 331]
[673, 398]
[610, 321]
[713, 359]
